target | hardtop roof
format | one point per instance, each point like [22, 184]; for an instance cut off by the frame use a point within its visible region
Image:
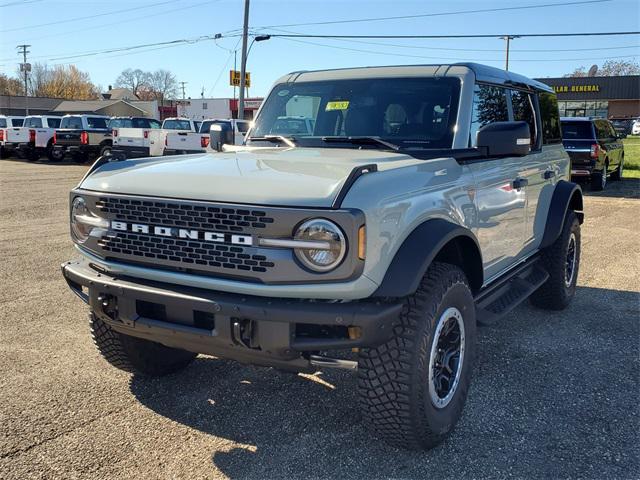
[483, 73]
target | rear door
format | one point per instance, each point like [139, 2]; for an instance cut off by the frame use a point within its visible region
[500, 202]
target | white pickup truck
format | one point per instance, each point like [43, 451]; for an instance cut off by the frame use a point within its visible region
[8, 124]
[238, 127]
[131, 135]
[177, 136]
[35, 138]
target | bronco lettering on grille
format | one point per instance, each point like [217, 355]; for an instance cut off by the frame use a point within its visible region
[185, 233]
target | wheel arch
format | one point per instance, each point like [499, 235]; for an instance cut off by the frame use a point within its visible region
[434, 240]
[106, 142]
[566, 196]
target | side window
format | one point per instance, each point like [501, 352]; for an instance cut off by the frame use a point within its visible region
[489, 105]
[155, 124]
[602, 129]
[612, 131]
[197, 126]
[550, 118]
[524, 111]
[53, 122]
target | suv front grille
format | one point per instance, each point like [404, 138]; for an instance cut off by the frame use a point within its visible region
[189, 252]
[184, 215]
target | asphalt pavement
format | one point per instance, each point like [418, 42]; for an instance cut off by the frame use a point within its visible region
[554, 394]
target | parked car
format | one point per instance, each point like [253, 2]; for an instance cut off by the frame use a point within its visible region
[635, 127]
[294, 248]
[622, 126]
[131, 135]
[35, 138]
[595, 149]
[177, 136]
[291, 125]
[7, 135]
[238, 127]
[83, 136]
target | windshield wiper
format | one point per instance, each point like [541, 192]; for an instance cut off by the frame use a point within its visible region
[289, 141]
[362, 141]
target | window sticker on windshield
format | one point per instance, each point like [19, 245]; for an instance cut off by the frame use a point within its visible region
[337, 105]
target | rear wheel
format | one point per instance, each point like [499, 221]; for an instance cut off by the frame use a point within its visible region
[135, 355]
[617, 175]
[54, 154]
[561, 260]
[599, 179]
[105, 151]
[412, 389]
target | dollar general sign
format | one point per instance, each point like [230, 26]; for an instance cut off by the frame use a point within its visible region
[576, 88]
[234, 78]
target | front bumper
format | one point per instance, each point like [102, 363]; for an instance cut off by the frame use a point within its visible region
[258, 330]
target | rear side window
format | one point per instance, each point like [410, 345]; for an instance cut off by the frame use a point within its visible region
[33, 122]
[550, 118]
[155, 125]
[96, 122]
[243, 127]
[176, 125]
[577, 130]
[3, 123]
[489, 105]
[53, 122]
[17, 122]
[71, 122]
[602, 129]
[524, 111]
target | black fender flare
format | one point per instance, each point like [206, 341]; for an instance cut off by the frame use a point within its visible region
[566, 196]
[418, 251]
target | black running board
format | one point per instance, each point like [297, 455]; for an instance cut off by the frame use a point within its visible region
[499, 298]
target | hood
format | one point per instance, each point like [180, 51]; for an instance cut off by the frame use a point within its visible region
[305, 177]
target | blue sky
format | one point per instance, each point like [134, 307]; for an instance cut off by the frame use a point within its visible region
[206, 64]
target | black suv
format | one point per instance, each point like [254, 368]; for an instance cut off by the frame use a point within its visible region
[595, 149]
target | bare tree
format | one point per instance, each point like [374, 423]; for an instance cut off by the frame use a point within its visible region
[163, 85]
[610, 68]
[135, 80]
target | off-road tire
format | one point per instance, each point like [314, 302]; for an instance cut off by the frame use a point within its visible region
[135, 355]
[555, 294]
[393, 378]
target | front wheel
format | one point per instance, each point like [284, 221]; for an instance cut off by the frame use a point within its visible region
[412, 389]
[135, 355]
[55, 154]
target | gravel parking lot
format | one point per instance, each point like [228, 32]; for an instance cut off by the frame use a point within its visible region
[554, 394]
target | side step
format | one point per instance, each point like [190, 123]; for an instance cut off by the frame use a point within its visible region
[499, 298]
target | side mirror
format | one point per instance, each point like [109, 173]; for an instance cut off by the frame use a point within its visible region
[219, 135]
[505, 139]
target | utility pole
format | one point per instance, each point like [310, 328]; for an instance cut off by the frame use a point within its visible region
[243, 61]
[25, 68]
[182, 84]
[508, 39]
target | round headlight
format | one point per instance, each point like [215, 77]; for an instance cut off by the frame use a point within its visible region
[80, 230]
[330, 241]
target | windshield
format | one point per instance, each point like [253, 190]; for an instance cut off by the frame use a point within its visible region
[409, 112]
[576, 131]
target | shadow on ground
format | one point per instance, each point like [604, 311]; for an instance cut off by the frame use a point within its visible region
[627, 188]
[555, 394]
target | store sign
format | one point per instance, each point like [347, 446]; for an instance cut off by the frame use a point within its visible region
[234, 78]
[576, 88]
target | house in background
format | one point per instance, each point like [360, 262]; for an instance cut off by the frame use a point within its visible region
[11, 105]
[110, 108]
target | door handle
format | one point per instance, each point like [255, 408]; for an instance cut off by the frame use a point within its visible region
[549, 174]
[518, 183]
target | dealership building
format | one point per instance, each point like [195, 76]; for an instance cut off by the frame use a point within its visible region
[608, 97]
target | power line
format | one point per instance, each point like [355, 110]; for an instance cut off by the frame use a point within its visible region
[75, 19]
[394, 54]
[486, 35]
[438, 14]
[22, 2]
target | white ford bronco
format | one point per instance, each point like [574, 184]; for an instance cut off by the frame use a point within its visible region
[426, 200]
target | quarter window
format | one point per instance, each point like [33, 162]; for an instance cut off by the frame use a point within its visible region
[524, 111]
[489, 106]
[550, 118]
